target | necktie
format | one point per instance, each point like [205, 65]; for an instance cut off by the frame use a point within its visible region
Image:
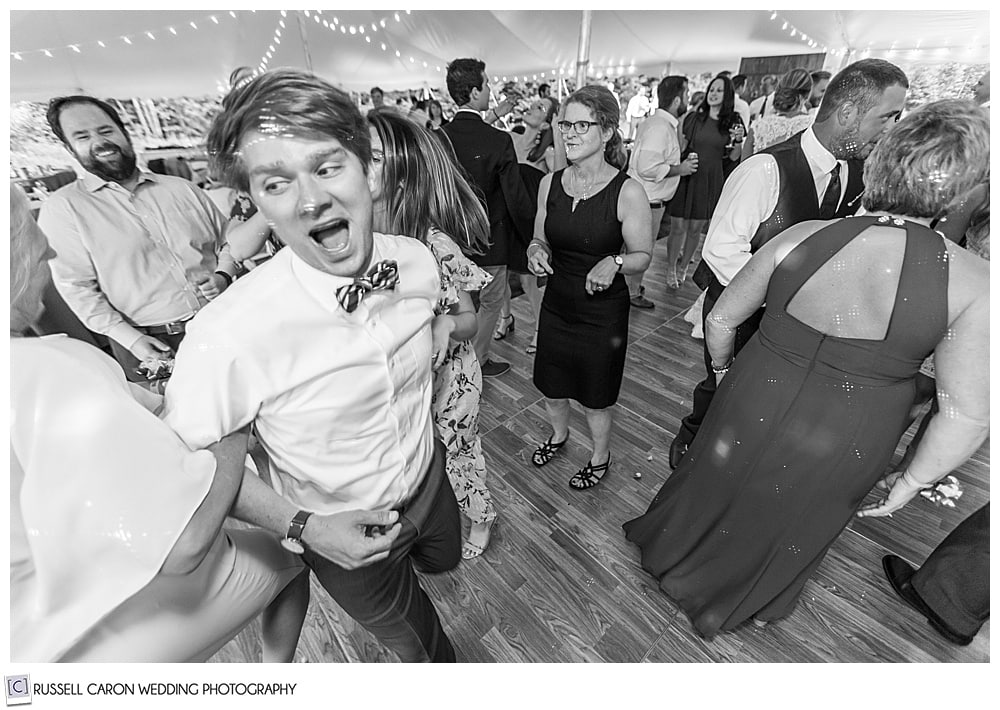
[831, 198]
[384, 275]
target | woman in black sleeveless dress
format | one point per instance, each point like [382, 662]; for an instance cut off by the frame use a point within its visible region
[586, 214]
[807, 417]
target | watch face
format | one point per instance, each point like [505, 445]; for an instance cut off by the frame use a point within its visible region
[292, 545]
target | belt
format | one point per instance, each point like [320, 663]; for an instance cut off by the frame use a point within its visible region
[175, 328]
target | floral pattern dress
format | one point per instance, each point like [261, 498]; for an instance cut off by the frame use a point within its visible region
[458, 387]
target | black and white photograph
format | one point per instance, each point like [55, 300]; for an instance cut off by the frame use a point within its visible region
[522, 336]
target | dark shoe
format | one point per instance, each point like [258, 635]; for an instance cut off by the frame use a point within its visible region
[504, 326]
[587, 476]
[641, 301]
[678, 450]
[544, 453]
[493, 368]
[899, 572]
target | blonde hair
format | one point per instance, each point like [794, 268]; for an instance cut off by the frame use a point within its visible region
[25, 240]
[932, 157]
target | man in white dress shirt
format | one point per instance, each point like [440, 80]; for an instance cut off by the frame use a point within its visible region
[739, 103]
[815, 174]
[656, 162]
[328, 354]
[764, 105]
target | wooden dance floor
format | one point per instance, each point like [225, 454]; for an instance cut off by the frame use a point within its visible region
[559, 582]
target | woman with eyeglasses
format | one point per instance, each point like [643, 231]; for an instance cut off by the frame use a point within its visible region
[586, 214]
[713, 131]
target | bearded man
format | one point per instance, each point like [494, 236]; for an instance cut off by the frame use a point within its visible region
[137, 254]
[815, 174]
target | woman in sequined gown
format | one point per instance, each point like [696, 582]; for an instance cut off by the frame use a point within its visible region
[806, 419]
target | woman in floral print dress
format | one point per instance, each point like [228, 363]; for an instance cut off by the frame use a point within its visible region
[419, 191]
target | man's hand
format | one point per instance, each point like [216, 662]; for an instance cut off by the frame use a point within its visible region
[211, 285]
[354, 538]
[538, 261]
[149, 348]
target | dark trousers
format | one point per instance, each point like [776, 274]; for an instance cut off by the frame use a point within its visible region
[704, 391]
[129, 362]
[955, 580]
[386, 597]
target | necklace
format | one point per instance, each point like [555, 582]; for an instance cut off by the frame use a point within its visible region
[581, 187]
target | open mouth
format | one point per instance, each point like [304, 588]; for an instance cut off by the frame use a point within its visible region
[106, 151]
[333, 236]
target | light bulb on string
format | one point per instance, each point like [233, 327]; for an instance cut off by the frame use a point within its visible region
[150, 35]
[397, 52]
[213, 19]
[773, 15]
[368, 39]
[127, 41]
[343, 29]
[100, 43]
[193, 25]
[784, 25]
[232, 14]
[75, 48]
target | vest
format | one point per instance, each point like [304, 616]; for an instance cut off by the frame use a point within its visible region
[797, 201]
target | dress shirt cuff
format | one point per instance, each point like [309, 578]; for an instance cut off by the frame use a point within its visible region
[124, 334]
[226, 264]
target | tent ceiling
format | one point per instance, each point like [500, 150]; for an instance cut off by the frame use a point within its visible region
[512, 42]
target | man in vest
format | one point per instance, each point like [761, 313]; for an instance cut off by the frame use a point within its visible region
[815, 174]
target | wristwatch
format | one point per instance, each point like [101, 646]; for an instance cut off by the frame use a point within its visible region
[293, 538]
[619, 261]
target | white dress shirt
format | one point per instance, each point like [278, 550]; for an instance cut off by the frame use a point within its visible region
[341, 401]
[748, 199]
[766, 101]
[132, 258]
[743, 109]
[656, 149]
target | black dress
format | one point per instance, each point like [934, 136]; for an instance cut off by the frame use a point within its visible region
[799, 431]
[582, 338]
[698, 194]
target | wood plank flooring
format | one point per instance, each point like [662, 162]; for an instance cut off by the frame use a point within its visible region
[560, 583]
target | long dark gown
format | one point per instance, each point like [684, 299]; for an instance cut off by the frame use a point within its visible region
[582, 338]
[801, 428]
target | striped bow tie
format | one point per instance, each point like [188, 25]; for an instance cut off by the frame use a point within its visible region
[384, 275]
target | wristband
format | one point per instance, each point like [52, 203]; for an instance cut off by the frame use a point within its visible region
[724, 368]
[229, 279]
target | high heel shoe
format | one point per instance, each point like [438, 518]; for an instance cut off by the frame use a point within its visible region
[504, 326]
[587, 476]
[672, 281]
[472, 550]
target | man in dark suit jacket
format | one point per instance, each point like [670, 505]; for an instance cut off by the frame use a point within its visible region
[487, 154]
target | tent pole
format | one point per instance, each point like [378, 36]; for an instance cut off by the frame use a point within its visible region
[305, 41]
[583, 51]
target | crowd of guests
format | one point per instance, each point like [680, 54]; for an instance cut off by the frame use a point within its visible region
[832, 269]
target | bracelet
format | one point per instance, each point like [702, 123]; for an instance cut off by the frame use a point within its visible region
[724, 368]
[914, 482]
[540, 244]
[229, 279]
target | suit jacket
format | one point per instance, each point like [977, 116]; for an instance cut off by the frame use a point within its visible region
[488, 157]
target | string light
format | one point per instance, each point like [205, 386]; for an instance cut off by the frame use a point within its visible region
[150, 34]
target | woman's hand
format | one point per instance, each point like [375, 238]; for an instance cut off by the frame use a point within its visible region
[538, 260]
[902, 489]
[441, 329]
[601, 276]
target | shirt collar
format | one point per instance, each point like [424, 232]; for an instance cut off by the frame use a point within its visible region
[474, 112]
[323, 286]
[669, 117]
[821, 161]
[93, 183]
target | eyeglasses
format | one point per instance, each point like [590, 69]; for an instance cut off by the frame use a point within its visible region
[580, 127]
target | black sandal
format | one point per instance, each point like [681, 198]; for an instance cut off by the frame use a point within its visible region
[544, 453]
[585, 478]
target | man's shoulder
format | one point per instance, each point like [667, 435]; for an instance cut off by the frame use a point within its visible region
[250, 302]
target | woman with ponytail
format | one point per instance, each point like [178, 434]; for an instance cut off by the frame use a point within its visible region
[789, 115]
[591, 227]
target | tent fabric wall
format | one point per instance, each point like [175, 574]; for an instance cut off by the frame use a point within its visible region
[512, 42]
